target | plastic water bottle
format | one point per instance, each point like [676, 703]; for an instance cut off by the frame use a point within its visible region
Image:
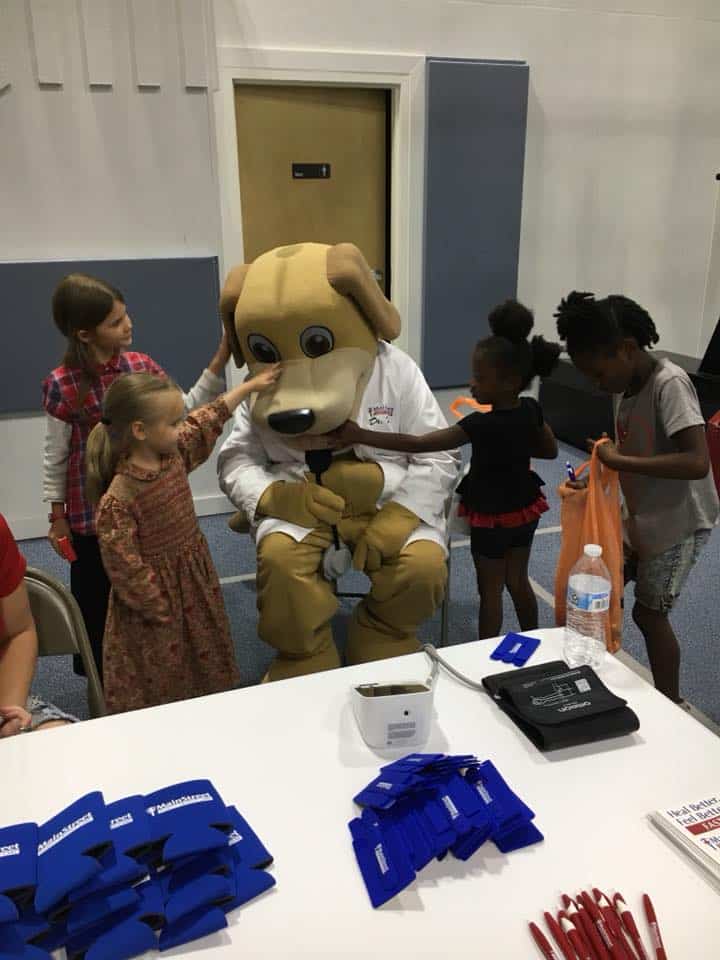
[588, 606]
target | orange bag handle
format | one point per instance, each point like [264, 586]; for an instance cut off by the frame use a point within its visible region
[596, 469]
[595, 465]
[469, 402]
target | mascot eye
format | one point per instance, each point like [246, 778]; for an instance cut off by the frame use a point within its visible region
[262, 349]
[315, 341]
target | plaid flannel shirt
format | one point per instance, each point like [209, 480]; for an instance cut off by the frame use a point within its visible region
[61, 392]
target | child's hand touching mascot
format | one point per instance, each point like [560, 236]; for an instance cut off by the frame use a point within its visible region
[319, 311]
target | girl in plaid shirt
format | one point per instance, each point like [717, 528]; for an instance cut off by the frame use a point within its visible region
[92, 316]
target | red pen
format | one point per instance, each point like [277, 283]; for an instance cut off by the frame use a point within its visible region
[630, 925]
[559, 936]
[613, 922]
[613, 948]
[572, 917]
[579, 945]
[654, 929]
[542, 942]
[585, 926]
[591, 930]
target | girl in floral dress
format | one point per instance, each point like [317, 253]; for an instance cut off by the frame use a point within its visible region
[167, 636]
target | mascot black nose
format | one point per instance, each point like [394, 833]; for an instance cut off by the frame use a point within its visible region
[292, 421]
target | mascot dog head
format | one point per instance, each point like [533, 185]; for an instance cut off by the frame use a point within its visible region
[319, 310]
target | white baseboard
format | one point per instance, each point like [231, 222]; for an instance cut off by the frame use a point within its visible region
[211, 504]
[35, 525]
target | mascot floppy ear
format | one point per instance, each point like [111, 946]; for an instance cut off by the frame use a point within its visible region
[228, 300]
[349, 274]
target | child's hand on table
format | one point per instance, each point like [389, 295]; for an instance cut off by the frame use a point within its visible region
[13, 720]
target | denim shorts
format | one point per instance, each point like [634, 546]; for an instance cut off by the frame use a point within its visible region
[43, 712]
[659, 580]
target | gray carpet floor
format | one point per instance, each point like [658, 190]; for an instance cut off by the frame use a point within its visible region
[696, 618]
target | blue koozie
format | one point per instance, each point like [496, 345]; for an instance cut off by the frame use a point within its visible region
[187, 819]
[245, 843]
[192, 926]
[13, 947]
[18, 869]
[125, 934]
[71, 850]
[130, 830]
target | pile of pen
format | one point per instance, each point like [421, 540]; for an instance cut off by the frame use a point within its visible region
[598, 927]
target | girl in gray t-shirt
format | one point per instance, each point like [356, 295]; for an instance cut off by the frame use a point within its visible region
[660, 451]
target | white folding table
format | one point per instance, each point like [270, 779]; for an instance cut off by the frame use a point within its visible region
[289, 755]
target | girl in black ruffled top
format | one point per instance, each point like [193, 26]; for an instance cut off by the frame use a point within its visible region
[501, 497]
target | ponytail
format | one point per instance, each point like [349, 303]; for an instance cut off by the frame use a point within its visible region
[101, 462]
[129, 399]
[545, 356]
[511, 323]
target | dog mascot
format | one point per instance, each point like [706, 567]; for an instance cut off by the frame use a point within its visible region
[319, 310]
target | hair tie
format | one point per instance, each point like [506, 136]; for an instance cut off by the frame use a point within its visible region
[106, 421]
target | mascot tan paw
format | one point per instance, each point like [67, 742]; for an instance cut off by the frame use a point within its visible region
[238, 522]
[306, 504]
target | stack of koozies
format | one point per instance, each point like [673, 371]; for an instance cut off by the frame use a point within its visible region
[426, 804]
[108, 882]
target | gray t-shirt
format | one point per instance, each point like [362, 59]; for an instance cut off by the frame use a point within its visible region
[661, 513]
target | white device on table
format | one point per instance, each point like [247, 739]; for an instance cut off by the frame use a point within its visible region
[393, 714]
[399, 714]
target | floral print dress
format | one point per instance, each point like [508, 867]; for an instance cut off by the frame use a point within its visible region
[167, 635]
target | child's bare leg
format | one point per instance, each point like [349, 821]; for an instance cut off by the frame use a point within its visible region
[663, 649]
[491, 583]
[518, 583]
[51, 724]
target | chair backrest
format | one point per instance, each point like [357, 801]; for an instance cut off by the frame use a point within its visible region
[61, 630]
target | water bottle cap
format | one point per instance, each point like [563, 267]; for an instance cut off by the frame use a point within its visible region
[593, 550]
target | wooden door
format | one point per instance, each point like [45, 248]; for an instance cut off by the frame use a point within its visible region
[313, 167]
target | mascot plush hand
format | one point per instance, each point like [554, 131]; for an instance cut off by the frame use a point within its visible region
[318, 310]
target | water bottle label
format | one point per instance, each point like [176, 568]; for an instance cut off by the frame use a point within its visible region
[589, 602]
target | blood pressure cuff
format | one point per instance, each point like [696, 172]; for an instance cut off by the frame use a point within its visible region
[187, 819]
[18, 869]
[557, 706]
[72, 848]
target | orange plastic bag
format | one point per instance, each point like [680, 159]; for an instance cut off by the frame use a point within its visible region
[592, 515]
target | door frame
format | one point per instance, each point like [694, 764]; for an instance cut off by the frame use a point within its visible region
[404, 75]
